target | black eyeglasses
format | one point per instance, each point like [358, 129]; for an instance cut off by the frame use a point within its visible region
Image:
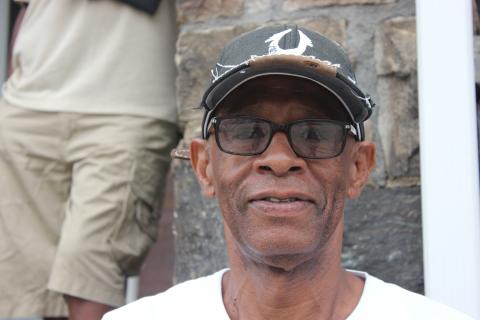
[308, 138]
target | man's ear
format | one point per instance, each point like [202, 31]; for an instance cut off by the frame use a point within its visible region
[363, 161]
[200, 161]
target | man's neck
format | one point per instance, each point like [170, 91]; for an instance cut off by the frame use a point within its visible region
[312, 290]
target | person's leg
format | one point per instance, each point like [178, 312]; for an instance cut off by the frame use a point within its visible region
[34, 186]
[84, 267]
[119, 163]
[80, 309]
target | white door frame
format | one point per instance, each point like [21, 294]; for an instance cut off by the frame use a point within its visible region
[449, 153]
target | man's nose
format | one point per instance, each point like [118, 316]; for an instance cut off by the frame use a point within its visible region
[279, 158]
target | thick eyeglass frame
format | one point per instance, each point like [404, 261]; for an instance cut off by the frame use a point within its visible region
[285, 128]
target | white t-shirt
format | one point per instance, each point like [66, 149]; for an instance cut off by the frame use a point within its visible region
[202, 299]
[100, 57]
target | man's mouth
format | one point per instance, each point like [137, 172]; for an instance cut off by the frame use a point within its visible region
[281, 206]
[278, 200]
[277, 203]
[282, 197]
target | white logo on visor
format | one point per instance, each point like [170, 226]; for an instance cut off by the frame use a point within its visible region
[274, 47]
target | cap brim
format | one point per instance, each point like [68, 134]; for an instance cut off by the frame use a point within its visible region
[320, 72]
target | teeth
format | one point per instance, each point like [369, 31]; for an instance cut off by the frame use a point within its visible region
[280, 200]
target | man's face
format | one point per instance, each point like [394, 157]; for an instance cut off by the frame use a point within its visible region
[277, 206]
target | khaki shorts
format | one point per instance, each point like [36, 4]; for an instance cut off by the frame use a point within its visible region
[78, 205]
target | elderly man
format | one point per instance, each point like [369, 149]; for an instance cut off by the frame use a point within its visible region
[283, 148]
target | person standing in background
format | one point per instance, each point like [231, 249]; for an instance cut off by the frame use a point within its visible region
[87, 122]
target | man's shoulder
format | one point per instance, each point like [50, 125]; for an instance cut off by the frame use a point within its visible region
[179, 302]
[381, 299]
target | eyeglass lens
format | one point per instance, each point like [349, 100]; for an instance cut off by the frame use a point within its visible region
[317, 139]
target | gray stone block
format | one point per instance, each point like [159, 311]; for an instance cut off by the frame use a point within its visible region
[383, 236]
[395, 55]
[293, 5]
[202, 10]
[398, 126]
[198, 228]
[333, 28]
[395, 47]
[255, 6]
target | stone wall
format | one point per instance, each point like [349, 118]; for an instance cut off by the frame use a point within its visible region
[383, 227]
